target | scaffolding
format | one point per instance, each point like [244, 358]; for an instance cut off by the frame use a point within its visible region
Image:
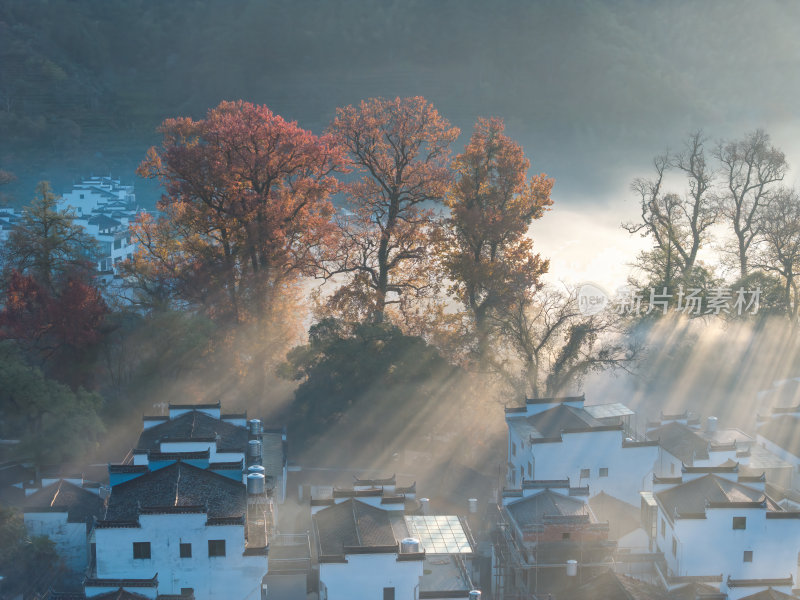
[518, 573]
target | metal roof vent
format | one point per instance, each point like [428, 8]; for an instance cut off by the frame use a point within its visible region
[255, 484]
[255, 427]
[254, 448]
[572, 568]
[409, 546]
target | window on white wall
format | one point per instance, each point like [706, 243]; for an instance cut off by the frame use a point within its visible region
[216, 547]
[513, 449]
[141, 549]
[748, 556]
[740, 522]
[388, 593]
[603, 471]
[674, 547]
[585, 473]
[663, 527]
[186, 551]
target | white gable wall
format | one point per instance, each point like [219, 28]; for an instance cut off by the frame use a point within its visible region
[629, 469]
[365, 576]
[215, 456]
[711, 546]
[69, 538]
[233, 576]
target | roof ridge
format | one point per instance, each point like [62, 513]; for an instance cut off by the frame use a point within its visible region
[58, 490]
[355, 522]
[177, 487]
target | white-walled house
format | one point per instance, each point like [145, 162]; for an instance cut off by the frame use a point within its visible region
[182, 528]
[373, 541]
[360, 554]
[106, 209]
[681, 444]
[180, 519]
[714, 526]
[65, 512]
[557, 438]
[193, 428]
[9, 219]
[204, 436]
[780, 435]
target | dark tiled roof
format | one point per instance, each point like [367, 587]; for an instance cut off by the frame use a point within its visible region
[104, 222]
[177, 485]
[533, 509]
[120, 594]
[375, 482]
[195, 425]
[769, 594]
[613, 586]
[680, 441]
[697, 591]
[63, 496]
[783, 432]
[152, 582]
[551, 422]
[691, 498]
[622, 517]
[352, 524]
[554, 400]
[732, 583]
[216, 404]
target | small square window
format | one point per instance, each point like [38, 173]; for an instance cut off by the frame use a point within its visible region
[603, 471]
[565, 535]
[748, 556]
[585, 473]
[740, 522]
[216, 547]
[141, 549]
[186, 551]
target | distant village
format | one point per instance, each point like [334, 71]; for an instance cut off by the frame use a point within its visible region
[595, 502]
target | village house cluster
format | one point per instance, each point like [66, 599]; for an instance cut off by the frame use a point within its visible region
[106, 209]
[591, 507]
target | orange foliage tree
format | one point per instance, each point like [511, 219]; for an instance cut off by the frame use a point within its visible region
[246, 209]
[400, 149]
[484, 251]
